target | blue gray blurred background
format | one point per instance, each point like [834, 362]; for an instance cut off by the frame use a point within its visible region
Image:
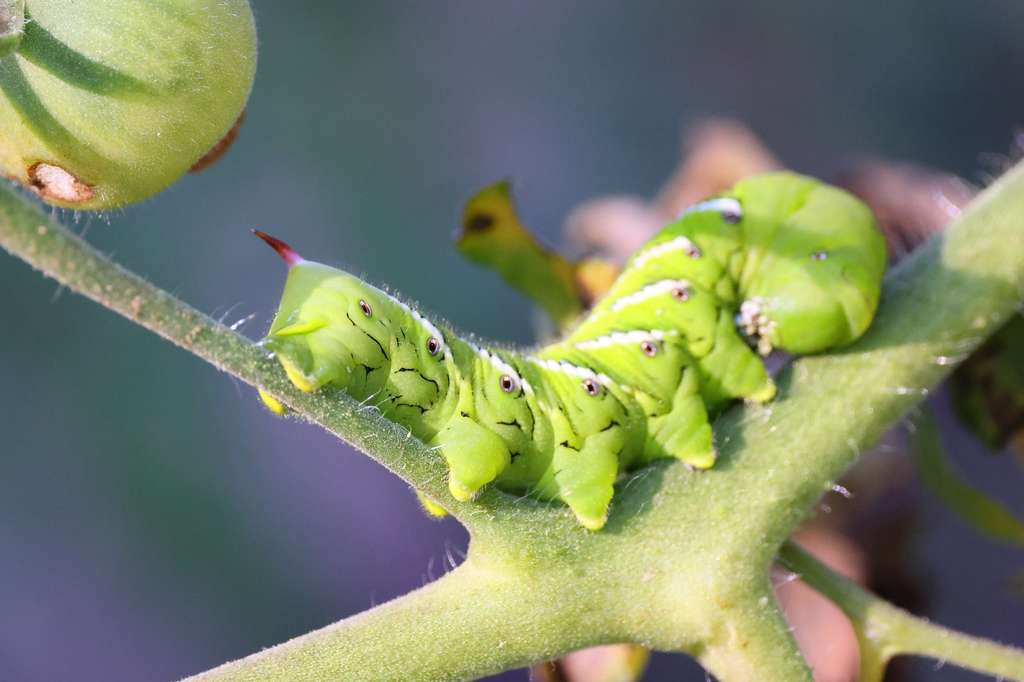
[155, 521]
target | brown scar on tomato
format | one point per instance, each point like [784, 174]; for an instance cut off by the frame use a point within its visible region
[50, 181]
[218, 150]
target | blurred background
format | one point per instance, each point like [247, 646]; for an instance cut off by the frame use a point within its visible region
[155, 521]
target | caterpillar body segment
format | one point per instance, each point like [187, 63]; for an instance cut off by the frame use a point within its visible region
[781, 260]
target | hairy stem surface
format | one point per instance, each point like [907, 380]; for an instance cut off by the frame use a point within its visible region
[885, 631]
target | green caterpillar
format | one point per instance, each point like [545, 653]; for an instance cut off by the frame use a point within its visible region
[794, 263]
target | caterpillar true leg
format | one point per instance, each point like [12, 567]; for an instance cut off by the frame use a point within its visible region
[271, 403]
[430, 507]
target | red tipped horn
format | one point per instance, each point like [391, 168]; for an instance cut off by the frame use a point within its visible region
[287, 253]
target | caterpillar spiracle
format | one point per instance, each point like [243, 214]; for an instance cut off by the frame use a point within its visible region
[784, 260]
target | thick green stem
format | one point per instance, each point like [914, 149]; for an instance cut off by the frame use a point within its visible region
[12, 25]
[759, 646]
[885, 631]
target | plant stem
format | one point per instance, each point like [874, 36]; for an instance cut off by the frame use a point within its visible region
[885, 631]
[760, 646]
[12, 25]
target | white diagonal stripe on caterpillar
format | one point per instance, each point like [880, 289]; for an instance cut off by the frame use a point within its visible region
[427, 325]
[650, 291]
[727, 206]
[678, 244]
[622, 338]
[572, 370]
[501, 366]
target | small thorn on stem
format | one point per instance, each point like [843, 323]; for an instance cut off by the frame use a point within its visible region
[287, 253]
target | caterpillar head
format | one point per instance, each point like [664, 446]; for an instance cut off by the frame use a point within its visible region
[330, 327]
[817, 270]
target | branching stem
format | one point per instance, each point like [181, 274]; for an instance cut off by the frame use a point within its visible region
[885, 631]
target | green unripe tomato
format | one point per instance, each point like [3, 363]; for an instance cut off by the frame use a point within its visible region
[106, 102]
